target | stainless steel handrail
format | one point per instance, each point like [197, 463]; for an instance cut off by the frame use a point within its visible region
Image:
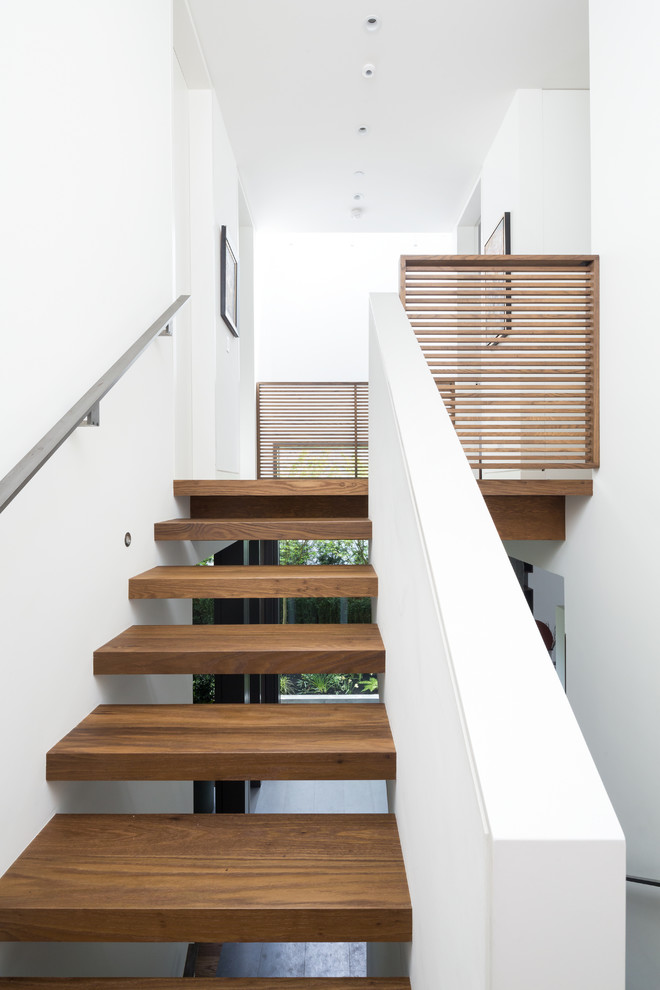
[645, 880]
[28, 466]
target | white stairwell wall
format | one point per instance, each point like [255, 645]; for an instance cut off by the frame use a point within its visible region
[312, 299]
[515, 859]
[610, 558]
[87, 262]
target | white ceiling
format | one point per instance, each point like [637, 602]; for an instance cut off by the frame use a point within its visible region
[288, 74]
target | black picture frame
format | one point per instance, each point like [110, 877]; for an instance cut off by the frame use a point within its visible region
[228, 283]
[499, 241]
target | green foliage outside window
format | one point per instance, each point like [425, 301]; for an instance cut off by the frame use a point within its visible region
[302, 552]
[202, 614]
[307, 610]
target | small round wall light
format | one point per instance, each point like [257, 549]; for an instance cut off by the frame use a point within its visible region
[127, 539]
[372, 23]
[363, 129]
[368, 70]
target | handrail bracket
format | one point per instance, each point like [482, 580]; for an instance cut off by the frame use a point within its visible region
[93, 417]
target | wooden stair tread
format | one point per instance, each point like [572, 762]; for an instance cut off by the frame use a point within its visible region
[240, 649]
[236, 581]
[263, 529]
[339, 741]
[209, 878]
[291, 498]
[215, 983]
[265, 487]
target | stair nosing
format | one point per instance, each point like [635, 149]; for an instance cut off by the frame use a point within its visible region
[276, 649]
[256, 581]
[267, 527]
[206, 878]
[305, 741]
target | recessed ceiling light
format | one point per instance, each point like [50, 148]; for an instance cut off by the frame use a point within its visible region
[356, 213]
[363, 129]
[359, 174]
[372, 23]
[358, 197]
[368, 70]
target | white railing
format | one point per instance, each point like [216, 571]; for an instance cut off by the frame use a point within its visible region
[514, 856]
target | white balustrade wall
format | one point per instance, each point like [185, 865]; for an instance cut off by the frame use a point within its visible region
[515, 859]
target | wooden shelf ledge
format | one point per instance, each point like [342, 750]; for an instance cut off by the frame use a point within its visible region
[525, 509]
[527, 486]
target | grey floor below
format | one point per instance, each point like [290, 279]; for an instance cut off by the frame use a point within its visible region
[297, 959]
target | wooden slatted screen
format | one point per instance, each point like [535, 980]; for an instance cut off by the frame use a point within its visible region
[312, 430]
[512, 343]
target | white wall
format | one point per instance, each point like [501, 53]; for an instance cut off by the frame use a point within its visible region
[227, 412]
[609, 559]
[548, 591]
[86, 187]
[312, 299]
[468, 231]
[248, 453]
[514, 858]
[206, 198]
[183, 340]
[538, 170]
[87, 265]
[215, 351]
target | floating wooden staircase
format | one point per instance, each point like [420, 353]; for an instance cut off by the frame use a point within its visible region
[214, 878]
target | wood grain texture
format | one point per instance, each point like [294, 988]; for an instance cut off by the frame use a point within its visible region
[313, 581]
[227, 742]
[267, 487]
[249, 649]
[283, 506]
[263, 529]
[226, 983]
[207, 958]
[517, 334]
[430, 262]
[309, 427]
[528, 517]
[527, 486]
[208, 878]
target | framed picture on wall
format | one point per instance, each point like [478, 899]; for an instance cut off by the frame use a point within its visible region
[499, 241]
[228, 283]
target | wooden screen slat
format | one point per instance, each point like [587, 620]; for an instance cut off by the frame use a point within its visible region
[512, 343]
[312, 429]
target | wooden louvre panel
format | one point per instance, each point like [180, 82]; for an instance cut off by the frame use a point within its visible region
[512, 343]
[312, 430]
